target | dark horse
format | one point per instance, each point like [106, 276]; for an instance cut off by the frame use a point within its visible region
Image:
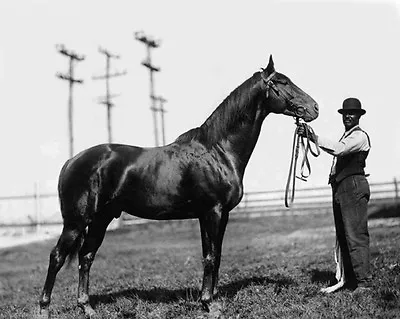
[198, 176]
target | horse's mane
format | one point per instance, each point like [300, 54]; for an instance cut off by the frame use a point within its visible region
[233, 110]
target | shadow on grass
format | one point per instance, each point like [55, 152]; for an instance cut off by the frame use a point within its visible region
[322, 276]
[385, 211]
[163, 295]
[230, 289]
[159, 295]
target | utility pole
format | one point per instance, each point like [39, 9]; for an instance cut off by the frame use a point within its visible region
[70, 77]
[107, 99]
[150, 44]
[161, 109]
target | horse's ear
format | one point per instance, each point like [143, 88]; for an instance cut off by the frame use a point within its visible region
[270, 67]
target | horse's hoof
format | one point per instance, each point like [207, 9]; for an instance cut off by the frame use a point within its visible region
[215, 310]
[90, 313]
[43, 313]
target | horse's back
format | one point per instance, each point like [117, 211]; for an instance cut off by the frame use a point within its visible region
[82, 165]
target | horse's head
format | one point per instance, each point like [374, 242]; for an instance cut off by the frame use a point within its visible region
[285, 97]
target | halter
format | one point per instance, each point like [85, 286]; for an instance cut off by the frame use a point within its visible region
[298, 110]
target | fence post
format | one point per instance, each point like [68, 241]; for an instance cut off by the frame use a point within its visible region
[396, 190]
[245, 202]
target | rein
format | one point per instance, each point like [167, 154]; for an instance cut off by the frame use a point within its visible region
[298, 141]
[305, 168]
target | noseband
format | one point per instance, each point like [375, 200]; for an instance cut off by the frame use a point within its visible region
[298, 110]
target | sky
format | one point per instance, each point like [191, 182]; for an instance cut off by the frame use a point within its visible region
[330, 49]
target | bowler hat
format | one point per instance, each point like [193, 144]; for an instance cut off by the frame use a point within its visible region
[351, 104]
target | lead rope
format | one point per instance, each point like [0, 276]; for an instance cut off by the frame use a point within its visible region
[305, 146]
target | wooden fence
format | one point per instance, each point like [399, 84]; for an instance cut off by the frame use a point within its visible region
[43, 209]
[316, 200]
[311, 200]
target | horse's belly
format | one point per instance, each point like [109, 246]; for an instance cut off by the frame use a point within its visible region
[161, 212]
[161, 205]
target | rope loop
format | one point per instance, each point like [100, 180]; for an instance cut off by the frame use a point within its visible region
[305, 169]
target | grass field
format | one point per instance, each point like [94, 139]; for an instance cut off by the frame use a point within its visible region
[271, 267]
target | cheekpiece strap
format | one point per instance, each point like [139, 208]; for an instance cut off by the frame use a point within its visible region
[268, 81]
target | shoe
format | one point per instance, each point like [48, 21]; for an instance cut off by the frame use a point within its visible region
[350, 285]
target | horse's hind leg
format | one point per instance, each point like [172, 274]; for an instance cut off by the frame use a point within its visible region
[67, 244]
[93, 240]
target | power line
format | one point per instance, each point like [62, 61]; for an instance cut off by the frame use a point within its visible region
[150, 44]
[70, 78]
[107, 99]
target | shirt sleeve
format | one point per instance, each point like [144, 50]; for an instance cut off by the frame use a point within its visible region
[355, 142]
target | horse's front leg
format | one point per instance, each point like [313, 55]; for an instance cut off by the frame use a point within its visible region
[212, 227]
[220, 236]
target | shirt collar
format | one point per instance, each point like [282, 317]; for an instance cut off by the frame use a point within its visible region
[347, 133]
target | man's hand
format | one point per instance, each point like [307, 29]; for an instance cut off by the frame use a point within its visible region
[305, 130]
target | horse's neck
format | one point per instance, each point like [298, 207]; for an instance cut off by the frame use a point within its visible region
[236, 123]
[241, 143]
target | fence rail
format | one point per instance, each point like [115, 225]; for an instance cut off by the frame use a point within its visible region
[316, 200]
[43, 208]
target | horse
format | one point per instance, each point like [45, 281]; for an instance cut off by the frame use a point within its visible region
[198, 176]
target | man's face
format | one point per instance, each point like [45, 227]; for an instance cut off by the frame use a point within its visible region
[350, 119]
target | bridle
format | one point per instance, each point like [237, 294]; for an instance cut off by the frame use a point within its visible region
[298, 112]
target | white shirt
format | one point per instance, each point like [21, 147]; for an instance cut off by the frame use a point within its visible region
[350, 142]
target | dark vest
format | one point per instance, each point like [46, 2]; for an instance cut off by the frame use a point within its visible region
[350, 164]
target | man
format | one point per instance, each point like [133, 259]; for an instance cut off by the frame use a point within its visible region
[350, 196]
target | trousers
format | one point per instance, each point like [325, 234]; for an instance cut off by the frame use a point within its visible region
[350, 210]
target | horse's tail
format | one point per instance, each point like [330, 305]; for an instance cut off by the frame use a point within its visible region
[76, 246]
[79, 195]
[74, 230]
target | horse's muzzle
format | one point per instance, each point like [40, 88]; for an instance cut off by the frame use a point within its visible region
[310, 113]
